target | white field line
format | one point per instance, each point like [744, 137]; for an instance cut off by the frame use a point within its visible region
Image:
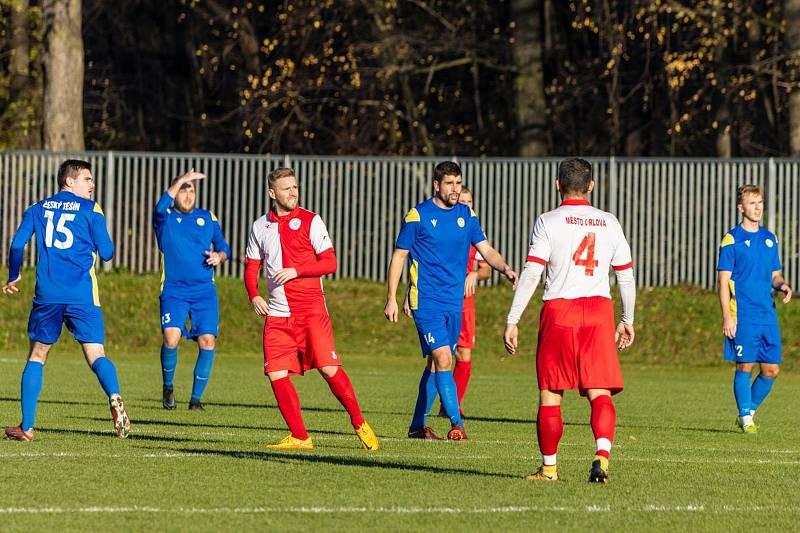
[651, 508]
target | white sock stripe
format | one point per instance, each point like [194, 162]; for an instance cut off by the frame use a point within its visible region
[549, 460]
[603, 444]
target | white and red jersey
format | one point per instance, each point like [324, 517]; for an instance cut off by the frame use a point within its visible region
[577, 243]
[296, 240]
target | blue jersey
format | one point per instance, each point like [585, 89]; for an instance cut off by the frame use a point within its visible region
[70, 235]
[183, 238]
[751, 257]
[438, 242]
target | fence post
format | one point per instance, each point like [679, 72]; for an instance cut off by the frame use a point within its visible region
[612, 186]
[772, 184]
[108, 200]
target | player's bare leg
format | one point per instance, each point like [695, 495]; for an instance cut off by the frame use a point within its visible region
[289, 406]
[342, 388]
[549, 429]
[31, 387]
[169, 362]
[446, 386]
[603, 421]
[107, 376]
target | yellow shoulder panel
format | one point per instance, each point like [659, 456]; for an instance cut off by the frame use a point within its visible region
[413, 215]
[727, 240]
[472, 213]
[213, 216]
[98, 209]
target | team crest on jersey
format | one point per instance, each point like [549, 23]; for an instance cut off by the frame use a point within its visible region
[201, 222]
[294, 223]
[769, 243]
[179, 219]
[747, 242]
[461, 222]
[433, 221]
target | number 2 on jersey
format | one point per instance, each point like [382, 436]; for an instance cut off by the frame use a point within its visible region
[60, 228]
[584, 255]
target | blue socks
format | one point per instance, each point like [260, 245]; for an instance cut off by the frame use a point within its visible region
[741, 391]
[169, 360]
[202, 371]
[30, 387]
[106, 375]
[446, 386]
[425, 397]
[761, 387]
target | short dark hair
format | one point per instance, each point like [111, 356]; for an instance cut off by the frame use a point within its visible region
[69, 169]
[446, 168]
[747, 189]
[574, 176]
[278, 173]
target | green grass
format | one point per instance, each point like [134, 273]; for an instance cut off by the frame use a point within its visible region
[677, 462]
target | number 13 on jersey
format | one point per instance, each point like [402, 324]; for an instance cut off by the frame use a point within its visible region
[584, 255]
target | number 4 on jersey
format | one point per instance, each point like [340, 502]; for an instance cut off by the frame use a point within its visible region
[587, 261]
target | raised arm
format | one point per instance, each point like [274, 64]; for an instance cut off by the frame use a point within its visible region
[160, 211]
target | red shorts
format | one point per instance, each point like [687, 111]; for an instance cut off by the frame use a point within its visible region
[576, 348]
[467, 337]
[298, 344]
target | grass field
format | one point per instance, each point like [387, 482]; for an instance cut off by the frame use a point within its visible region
[677, 460]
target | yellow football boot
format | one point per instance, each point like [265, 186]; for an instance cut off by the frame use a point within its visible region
[292, 443]
[368, 438]
[545, 473]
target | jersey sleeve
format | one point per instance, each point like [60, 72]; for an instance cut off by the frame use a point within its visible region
[218, 239]
[726, 256]
[622, 259]
[775, 259]
[161, 210]
[100, 236]
[409, 230]
[318, 234]
[21, 237]
[254, 250]
[539, 248]
[476, 233]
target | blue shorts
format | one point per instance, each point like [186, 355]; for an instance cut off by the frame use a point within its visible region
[84, 321]
[437, 329]
[200, 307]
[754, 344]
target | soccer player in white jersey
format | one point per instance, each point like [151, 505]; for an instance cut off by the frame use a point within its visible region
[576, 243]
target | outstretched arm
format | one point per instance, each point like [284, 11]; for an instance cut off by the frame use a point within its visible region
[496, 261]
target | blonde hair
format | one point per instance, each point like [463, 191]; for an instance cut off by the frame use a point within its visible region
[278, 173]
[747, 189]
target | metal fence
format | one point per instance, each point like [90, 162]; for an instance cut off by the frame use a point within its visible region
[674, 211]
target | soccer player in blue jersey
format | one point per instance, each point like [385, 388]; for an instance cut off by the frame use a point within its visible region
[185, 237]
[435, 238]
[70, 235]
[749, 269]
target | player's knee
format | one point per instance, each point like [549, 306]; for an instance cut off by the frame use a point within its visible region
[744, 367]
[771, 371]
[206, 342]
[464, 354]
[172, 337]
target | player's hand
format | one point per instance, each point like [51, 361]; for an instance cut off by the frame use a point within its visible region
[284, 275]
[470, 283]
[511, 276]
[729, 327]
[213, 258]
[390, 311]
[624, 335]
[510, 338]
[11, 286]
[787, 292]
[260, 306]
[190, 176]
[406, 307]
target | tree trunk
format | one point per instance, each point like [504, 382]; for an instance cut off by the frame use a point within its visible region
[20, 48]
[63, 68]
[791, 13]
[530, 110]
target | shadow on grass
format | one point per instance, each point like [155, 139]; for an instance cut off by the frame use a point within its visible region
[312, 457]
[270, 407]
[61, 402]
[133, 436]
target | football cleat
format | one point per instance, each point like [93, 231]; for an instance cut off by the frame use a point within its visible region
[457, 433]
[292, 443]
[425, 433]
[599, 471]
[17, 433]
[195, 405]
[122, 424]
[368, 438]
[750, 429]
[168, 398]
[545, 473]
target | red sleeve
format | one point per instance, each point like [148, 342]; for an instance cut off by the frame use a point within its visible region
[325, 264]
[251, 270]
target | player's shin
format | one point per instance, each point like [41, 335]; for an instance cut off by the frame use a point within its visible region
[447, 392]
[169, 361]
[106, 374]
[604, 420]
[289, 406]
[461, 375]
[425, 397]
[742, 394]
[342, 388]
[31, 386]
[202, 371]
[549, 428]
[759, 391]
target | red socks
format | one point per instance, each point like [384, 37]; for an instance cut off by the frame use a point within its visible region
[343, 390]
[549, 428]
[604, 419]
[461, 375]
[289, 405]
